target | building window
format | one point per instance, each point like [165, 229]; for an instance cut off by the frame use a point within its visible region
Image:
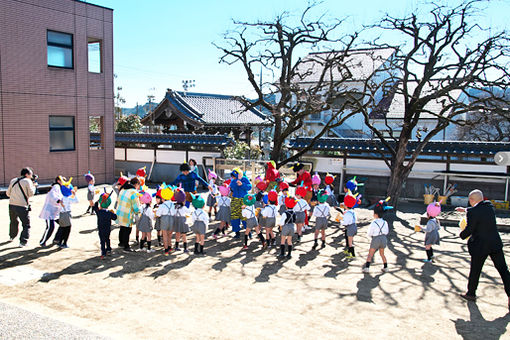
[61, 133]
[94, 55]
[96, 132]
[60, 49]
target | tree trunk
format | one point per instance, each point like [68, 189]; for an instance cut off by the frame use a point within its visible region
[277, 143]
[399, 173]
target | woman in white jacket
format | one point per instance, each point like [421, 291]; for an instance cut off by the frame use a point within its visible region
[51, 208]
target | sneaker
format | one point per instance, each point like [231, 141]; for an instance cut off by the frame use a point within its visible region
[245, 247]
[63, 246]
[102, 257]
[215, 236]
[264, 245]
[323, 246]
[366, 270]
[21, 245]
[349, 256]
[385, 270]
[346, 252]
[427, 260]
[185, 251]
[109, 253]
[128, 250]
[11, 239]
[280, 255]
[42, 244]
[166, 253]
[150, 250]
[289, 256]
[315, 245]
[175, 249]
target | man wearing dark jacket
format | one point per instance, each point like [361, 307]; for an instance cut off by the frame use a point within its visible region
[484, 241]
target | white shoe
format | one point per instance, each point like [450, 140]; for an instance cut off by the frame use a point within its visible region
[366, 270]
[150, 250]
[385, 270]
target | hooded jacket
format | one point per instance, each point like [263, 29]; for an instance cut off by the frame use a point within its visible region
[271, 173]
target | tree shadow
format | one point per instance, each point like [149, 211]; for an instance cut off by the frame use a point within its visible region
[268, 269]
[88, 231]
[23, 257]
[365, 287]
[479, 328]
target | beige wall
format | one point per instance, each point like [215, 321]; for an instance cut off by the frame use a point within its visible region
[30, 91]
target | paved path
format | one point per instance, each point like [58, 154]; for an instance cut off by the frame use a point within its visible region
[17, 323]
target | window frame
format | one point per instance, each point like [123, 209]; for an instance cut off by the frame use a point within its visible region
[48, 44]
[100, 119]
[100, 42]
[50, 129]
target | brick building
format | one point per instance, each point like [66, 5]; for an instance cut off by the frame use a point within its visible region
[56, 87]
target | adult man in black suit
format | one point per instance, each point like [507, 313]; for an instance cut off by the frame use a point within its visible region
[484, 241]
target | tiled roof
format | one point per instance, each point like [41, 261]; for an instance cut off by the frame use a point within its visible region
[169, 139]
[210, 109]
[221, 109]
[452, 148]
[361, 64]
[392, 105]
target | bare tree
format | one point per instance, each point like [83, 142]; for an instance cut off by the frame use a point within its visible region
[483, 127]
[279, 48]
[445, 57]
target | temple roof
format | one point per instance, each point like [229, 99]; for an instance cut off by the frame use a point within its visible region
[452, 148]
[205, 109]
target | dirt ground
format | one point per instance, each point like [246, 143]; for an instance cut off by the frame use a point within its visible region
[231, 293]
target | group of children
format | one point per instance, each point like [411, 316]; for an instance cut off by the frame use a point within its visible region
[256, 207]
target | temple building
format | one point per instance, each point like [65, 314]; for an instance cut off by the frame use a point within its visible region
[204, 113]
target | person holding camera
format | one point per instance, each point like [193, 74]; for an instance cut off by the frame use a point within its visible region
[19, 192]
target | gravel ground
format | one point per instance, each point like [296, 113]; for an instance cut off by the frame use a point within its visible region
[250, 294]
[17, 323]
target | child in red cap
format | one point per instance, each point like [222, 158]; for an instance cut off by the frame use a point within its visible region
[349, 222]
[301, 209]
[268, 220]
[287, 221]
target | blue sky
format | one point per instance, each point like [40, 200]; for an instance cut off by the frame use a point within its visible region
[159, 43]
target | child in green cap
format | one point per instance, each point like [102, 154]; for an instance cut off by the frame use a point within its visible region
[200, 222]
